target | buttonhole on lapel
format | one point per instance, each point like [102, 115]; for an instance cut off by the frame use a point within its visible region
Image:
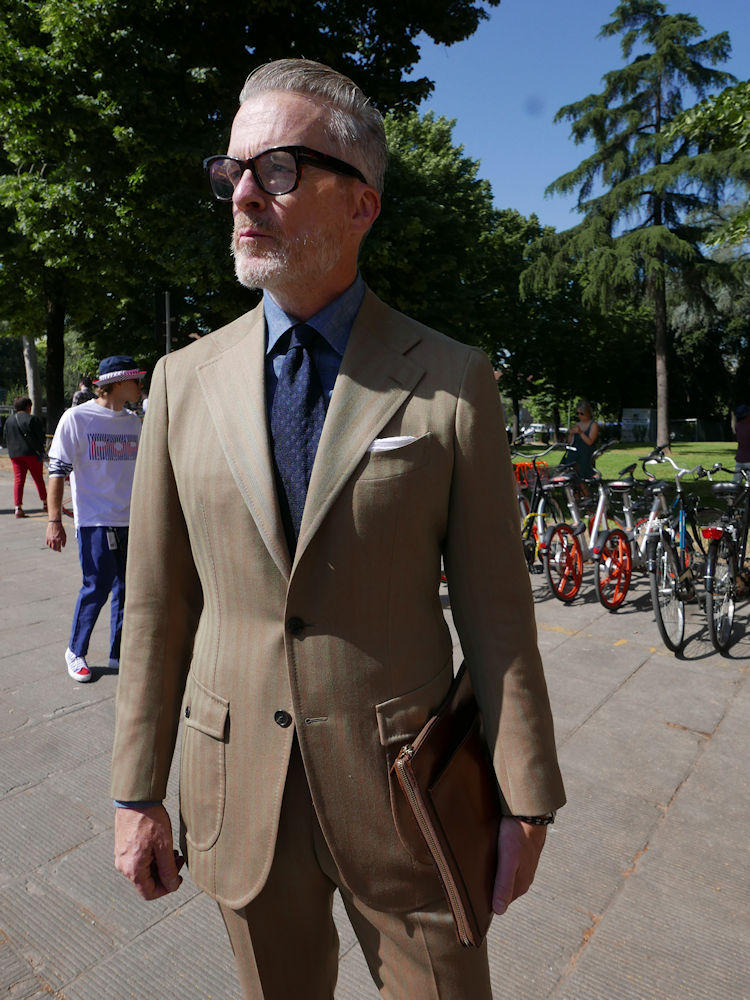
[187, 711]
[322, 718]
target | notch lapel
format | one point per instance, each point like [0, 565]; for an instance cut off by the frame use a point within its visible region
[233, 384]
[374, 380]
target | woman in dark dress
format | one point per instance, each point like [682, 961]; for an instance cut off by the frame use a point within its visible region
[582, 436]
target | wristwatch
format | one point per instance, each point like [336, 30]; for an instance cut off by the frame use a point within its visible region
[544, 820]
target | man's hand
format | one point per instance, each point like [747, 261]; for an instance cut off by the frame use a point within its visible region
[144, 852]
[518, 848]
[56, 537]
[55, 532]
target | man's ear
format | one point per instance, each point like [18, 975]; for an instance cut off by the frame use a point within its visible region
[366, 209]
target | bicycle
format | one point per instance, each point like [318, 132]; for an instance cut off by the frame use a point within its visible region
[566, 546]
[623, 548]
[727, 545]
[535, 510]
[670, 557]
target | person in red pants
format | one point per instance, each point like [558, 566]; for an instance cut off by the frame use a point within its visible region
[23, 436]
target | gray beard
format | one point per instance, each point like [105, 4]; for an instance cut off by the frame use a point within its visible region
[305, 260]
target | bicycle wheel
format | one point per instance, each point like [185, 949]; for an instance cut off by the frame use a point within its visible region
[614, 569]
[553, 510]
[563, 562]
[669, 609]
[721, 571]
[523, 506]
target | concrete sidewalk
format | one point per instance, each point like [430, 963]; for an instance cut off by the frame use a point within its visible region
[643, 887]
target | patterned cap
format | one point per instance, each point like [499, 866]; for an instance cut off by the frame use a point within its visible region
[118, 368]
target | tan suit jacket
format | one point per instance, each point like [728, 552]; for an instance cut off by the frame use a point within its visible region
[349, 639]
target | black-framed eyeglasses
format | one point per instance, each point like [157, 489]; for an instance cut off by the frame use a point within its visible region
[275, 171]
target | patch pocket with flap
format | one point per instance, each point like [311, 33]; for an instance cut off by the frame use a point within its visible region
[203, 764]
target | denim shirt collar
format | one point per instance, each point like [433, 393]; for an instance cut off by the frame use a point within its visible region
[333, 322]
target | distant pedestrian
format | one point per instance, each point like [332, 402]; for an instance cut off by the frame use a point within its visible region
[23, 436]
[84, 393]
[96, 445]
[582, 437]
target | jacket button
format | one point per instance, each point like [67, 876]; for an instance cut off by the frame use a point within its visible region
[187, 711]
[282, 719]
[295, 626]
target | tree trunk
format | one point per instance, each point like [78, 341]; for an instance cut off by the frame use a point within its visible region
[33, 382]
[661, 344]
[516, 417]
[556, 420]
[55, 325]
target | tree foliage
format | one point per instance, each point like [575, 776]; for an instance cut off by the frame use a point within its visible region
[642, 192]
[106, 110]
[425, 252]
[722, 122]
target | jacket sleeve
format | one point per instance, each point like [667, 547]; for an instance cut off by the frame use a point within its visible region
[163, 602]
[492, 603]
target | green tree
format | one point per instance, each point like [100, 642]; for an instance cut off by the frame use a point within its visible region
[640, 192]
[425, 252]
[106, 110]
[719, 123]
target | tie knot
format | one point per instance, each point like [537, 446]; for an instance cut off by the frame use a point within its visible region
[303, 336]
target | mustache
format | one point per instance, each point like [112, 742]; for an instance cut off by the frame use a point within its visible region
[242, 221]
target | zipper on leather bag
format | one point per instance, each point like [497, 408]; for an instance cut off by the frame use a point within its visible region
[411, 790]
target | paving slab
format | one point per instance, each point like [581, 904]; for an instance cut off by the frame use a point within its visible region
[642, 891]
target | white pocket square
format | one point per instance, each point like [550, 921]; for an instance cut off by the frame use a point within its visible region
[390, 444]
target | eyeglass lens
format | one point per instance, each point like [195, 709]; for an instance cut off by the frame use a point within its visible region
[275, 171]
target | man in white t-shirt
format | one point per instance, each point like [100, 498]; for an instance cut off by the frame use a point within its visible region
[96, 444]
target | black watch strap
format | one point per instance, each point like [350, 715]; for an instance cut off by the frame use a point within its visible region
[544, 820]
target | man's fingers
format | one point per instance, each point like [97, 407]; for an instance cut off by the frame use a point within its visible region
[507, 866]
[55, 538]
[164, 868]
[143, 850]
[519, 847]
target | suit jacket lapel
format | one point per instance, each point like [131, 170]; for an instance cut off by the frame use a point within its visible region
[233, 384]
[374, 380]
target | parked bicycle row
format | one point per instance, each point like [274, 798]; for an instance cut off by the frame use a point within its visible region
[692, 550]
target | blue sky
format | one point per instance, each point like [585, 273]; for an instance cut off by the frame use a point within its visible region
[505, 83]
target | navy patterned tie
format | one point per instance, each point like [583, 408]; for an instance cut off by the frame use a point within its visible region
[297, 414]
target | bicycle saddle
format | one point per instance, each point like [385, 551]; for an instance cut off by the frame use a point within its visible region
[726, 489]
[657, 486]
[622, 485]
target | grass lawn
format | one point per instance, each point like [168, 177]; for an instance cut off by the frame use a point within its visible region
[685, 454]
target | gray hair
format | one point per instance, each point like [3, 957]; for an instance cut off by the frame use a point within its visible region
[355, 126]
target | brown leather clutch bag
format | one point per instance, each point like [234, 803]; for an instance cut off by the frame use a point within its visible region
[449, 784]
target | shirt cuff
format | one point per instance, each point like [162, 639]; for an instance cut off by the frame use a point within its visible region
[136, 804]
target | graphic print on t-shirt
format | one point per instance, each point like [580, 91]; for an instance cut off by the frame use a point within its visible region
[112, 447]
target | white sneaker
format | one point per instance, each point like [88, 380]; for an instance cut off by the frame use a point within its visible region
[77, 666]
[114, 664]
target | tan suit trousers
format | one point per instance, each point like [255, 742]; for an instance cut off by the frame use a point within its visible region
[285, 941]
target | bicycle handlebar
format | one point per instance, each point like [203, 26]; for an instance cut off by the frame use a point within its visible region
[658, 457]
[537, 454]
[604, 447]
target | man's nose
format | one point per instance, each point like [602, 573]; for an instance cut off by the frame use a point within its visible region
[248, 192]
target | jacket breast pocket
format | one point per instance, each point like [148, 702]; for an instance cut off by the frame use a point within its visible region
[203, 764]
[396, 461]
[399, 721]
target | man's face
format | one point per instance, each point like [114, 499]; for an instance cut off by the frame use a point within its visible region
[129, 391]
[300, 237]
